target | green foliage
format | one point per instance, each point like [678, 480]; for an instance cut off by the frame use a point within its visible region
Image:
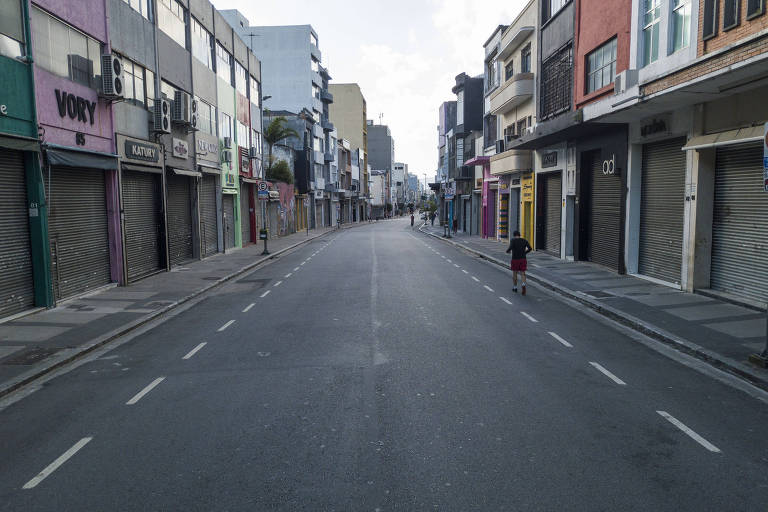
[280, 171]
[274, 133]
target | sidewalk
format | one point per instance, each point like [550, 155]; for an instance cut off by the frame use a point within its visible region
[34, 345]
[720, 333]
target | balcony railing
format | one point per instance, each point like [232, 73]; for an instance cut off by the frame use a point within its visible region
[512, 93]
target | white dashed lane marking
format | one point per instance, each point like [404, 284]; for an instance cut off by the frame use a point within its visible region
[505, 300]
[225, 325]
[296, 269]
[529, 317]
[264, 294]
[476, 279]
[608, 374]
[195, 350]
[690, 433]
[278, 284]
[455, 265]
[464, 271]
[488, 288]
[248, 308]
[561, 340]
[53, 466]
[289, 274]
[138, 396]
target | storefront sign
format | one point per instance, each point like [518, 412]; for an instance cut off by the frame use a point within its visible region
[609, 166]
[549, 159]
[180, 148]
[653, 127]
[229, 180]
[141, 151]
[526, 185]
[75, 107]
[4, 109]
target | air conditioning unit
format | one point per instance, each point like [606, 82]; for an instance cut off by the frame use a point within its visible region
[193, 118]
[253, 153]
[624, 80]
[182, 108]
[162, 115]
[228, 142]
[112, 76]
[226, 157]
[499, 146]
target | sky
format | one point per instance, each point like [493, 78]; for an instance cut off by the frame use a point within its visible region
[404, 54]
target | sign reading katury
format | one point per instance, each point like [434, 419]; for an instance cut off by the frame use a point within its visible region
[141, 151]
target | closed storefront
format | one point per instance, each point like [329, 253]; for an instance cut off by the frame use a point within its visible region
[77, 227]
[143, 223]
[739, 228]
[179, 201]
[245, 212]
[16, 285]
[601, 233]
[228, 207]
[273, 217]
[662, 205]
[549, 212]
[208, 216]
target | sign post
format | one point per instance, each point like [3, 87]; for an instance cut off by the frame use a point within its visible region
[263, 194]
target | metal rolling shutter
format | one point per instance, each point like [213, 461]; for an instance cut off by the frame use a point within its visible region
[229, 212]
[245, 213]
[552, 191]
[179, 219]
[605, 217]
[208, 218]
[739, 232]
[16, 285]
[662, 210]
[77, 225]
[274, 220]
[142, 223]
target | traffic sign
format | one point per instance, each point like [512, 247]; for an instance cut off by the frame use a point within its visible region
[263, 185]
[263, 194]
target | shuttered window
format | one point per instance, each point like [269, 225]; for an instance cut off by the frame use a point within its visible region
[710, 19]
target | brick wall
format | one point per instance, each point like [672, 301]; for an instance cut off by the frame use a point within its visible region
[744, 29]
[736, 55]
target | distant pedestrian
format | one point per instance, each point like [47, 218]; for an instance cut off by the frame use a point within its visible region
[519, 248]
[432, 218]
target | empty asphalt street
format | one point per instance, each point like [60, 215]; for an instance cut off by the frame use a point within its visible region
[377, 368]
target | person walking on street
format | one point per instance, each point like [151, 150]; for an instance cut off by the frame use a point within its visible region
[519, 248]
[432, 218]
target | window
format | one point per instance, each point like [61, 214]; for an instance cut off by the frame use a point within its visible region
[651, 20]
[256, 140]
[681, 24]
[731, 13]
[710, 19]
[149, 84]
[171, 18]
[552, 7]
[134, 82]
[202, 44]
[223, 64]
[242, 134]
[509, 70]
[491, 77]
[315, 91]
[317, 144]
[556, 82]
[460, 108]
[225, 126]
[143, 7]
[167, 90]
[206, 117]
[755, 8]
[601, 66]
[525, 59]
[315, 66]
[521, 126]
[10, 47]
[64, 51]
[489, 131]
[313, 39]
[254, 86]
[241, 79]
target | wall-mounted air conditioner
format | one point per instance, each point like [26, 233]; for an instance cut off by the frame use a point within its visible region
[182, 108]
[226, 157]
[624, 80]
[162, 116]
[112, 76]
[228, 142]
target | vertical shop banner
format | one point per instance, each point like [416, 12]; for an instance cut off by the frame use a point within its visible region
[765, 158]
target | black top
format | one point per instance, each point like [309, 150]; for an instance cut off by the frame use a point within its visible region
[519, 247]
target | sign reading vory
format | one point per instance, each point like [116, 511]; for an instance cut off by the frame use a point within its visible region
[75, 107]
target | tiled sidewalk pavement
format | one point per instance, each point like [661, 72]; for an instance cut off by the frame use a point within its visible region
[35, 344]
[723, 334]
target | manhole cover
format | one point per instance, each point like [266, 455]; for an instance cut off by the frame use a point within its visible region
[599, 294]
[28, 357]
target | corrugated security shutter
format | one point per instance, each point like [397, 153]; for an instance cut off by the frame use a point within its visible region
[179, 219]
[552, 187]
[229, 212]
[739, 229]
[141, 203]
[245, 213]
[605, 217]
[662, 206]
[16, 285]
[208, 218]
[77, 226]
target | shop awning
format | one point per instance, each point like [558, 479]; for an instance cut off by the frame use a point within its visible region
[68, 157]
[141, 168]
[751, 134]
[185, 172]
[20, 143]
[250, 180]
[208, 168]
[478, 160]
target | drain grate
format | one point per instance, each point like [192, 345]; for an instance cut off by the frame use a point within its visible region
[30, 356]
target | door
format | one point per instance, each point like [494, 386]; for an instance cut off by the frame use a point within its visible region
[504, 216]
[209, 220]
[143, 224]
[492, 213]
[16, 284]
[179, 218]
[739, 232]
[228, 205]
[662, 205]
[77, 227]
[604, 238]
[549, 213]
[245, 213]
[514, 210]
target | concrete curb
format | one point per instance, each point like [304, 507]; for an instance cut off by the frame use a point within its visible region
[67, 356]
[712, 358]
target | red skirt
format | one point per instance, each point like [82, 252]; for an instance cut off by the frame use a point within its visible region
[519, 265]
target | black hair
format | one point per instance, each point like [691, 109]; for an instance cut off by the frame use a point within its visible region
[516, 233]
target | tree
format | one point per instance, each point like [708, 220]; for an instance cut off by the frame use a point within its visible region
[280, 171]
[275, 132]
